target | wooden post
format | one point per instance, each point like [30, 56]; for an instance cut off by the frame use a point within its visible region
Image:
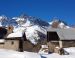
[60, 44]
[61, 50]
[21, 44]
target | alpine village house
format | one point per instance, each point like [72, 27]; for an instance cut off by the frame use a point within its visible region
[18, 42]
[58, 38]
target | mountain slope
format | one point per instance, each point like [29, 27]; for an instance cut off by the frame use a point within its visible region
[34, 28]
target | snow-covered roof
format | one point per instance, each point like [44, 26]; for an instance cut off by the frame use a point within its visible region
[2, 40]
[64, 34]
[16, 34]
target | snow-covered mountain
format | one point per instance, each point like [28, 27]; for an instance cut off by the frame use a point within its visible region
[34, 28]
[59, 24]
[3, 20]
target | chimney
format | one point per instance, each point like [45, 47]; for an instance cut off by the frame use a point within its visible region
[10, 29]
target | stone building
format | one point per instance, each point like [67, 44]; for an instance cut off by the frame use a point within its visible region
[62, 38]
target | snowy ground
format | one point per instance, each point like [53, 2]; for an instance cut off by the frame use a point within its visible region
[14, 54]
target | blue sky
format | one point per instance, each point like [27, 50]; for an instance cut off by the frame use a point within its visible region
[45, 9]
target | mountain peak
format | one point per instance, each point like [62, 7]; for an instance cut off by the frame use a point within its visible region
[57, 23]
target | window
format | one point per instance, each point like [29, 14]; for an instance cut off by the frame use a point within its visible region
[12, 42]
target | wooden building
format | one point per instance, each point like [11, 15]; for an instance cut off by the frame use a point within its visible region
[62, 38]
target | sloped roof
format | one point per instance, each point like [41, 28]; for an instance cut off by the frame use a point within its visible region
[64, 34]
[16, 34]
[2, 40]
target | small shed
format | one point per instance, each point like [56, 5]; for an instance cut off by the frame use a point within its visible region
[15, 41]
[62, 38]
[18, 41]
[12, 43]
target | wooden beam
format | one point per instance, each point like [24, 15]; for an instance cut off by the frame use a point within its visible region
[60, 44]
